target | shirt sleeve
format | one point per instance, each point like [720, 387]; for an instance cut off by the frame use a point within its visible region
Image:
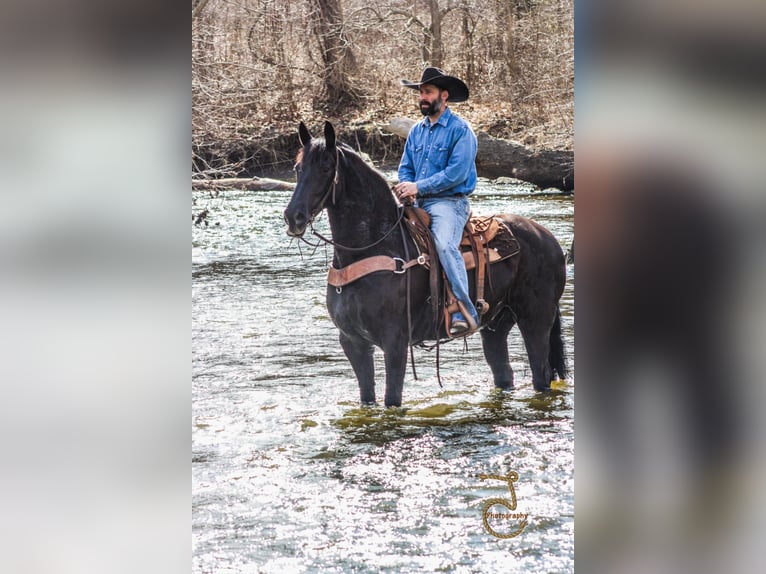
[457, 170]
[407, 163]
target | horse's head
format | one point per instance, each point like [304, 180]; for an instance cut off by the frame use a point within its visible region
[317, 172]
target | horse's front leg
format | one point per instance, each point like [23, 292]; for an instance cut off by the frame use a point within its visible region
[396, 365]
[360, 355]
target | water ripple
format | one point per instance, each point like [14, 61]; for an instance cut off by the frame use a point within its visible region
[291, 474]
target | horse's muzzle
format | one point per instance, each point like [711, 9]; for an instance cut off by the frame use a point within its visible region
[296, 223]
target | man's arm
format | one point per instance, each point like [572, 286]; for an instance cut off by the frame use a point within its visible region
[406, 190]
[407, 163]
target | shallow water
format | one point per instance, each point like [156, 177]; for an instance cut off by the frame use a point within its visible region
[291, 474]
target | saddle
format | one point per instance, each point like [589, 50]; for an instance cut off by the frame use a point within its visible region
[485, 241]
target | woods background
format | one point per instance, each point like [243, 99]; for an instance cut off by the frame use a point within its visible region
[261, 66]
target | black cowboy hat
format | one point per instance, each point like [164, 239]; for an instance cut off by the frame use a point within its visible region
[458, 91]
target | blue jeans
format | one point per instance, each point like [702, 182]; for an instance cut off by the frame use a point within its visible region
[448, 218]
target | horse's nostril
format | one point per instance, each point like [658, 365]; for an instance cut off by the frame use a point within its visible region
[296, 222]
[299, 219]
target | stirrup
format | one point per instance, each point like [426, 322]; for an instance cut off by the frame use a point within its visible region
[482, 307]
[468, 318]
[459, 328]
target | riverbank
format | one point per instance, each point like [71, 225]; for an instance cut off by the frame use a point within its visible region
[272, 154]
[269, 152]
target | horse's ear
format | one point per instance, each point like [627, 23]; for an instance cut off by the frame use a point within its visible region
[329, 135]
[304, 134]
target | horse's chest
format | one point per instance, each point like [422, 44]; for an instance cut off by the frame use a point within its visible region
[354, 303]
[368, 308]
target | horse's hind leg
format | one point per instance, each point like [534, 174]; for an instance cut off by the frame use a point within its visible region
[494, 340]
[536, 333]
[360, 355]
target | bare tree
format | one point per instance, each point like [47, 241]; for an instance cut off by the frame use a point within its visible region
[257, 65]
[335, 50]
[197, 7]
[434, 41]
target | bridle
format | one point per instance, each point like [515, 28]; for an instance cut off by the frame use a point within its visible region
[331, 191]
[332, 187]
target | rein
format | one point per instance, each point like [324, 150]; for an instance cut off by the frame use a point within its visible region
[338, 245]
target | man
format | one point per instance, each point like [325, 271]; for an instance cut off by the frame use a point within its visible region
[438, 171]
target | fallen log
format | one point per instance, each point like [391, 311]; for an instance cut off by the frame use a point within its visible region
[497, 157]
[242, 183]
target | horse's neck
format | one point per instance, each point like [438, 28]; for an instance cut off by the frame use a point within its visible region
[364, 212]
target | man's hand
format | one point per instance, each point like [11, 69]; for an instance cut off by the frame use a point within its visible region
[406, 191]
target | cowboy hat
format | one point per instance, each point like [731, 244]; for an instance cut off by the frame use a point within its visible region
[458, 91]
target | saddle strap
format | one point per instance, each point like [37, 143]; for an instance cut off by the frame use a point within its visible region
[409, 303]
[480, 257]
[421, 230]
[349, 274]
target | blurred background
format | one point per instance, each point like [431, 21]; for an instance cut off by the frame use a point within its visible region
[94, 287]
[669, 220]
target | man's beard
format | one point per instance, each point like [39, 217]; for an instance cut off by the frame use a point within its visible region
[430, 109]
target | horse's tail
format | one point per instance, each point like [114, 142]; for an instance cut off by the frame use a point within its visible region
[557, 355]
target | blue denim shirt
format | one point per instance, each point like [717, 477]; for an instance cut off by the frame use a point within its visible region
[441, 157]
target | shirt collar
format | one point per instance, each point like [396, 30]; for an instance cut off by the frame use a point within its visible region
[443, 119]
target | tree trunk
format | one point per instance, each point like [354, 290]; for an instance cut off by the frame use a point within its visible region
[337, 57]
[497, 157]
[197, 7]
[469, 26]
[435, 31]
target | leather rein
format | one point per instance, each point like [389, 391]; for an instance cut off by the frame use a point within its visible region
[318, 235]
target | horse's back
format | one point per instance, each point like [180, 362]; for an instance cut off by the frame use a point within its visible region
[530, 231]
[542, 254]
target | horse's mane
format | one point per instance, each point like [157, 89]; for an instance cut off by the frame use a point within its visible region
[359, 162]
[356, 160]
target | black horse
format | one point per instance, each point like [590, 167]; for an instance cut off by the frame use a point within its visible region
[365, 218]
